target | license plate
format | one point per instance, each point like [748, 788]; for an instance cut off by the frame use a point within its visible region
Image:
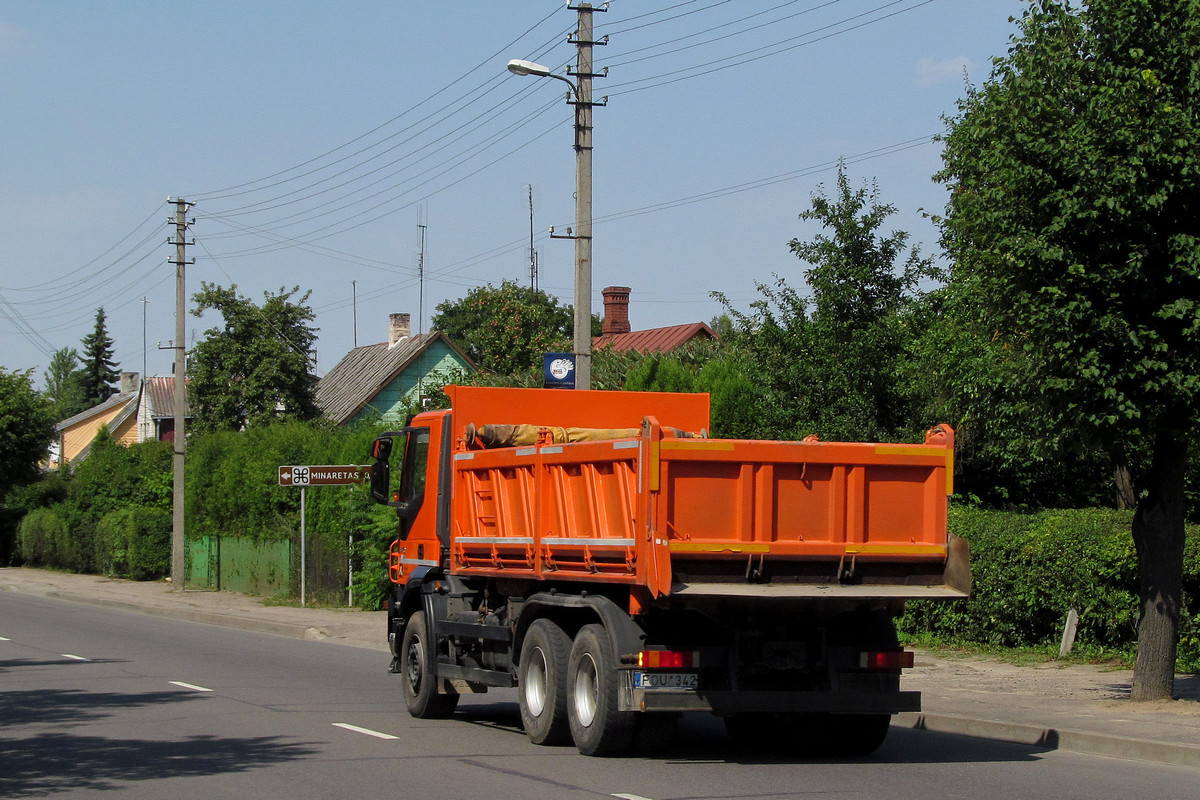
[666, 680]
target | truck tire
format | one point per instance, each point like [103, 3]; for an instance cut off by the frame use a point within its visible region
[542, 683]
[416, 671]
[597, 727]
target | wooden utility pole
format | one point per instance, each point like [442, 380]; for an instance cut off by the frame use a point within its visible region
[178, 559]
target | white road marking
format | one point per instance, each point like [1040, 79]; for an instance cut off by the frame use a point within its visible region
[366, 731]
[74, 657]
[5, 639]
[624, 796]
[191, 686]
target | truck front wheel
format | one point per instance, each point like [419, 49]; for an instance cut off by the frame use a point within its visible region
[597, 726]
[416, 671]
[542, 678]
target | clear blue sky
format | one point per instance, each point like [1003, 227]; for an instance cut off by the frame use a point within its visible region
[316, 136]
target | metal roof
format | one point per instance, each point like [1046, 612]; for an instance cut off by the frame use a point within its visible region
[160, 395]
[655, 340]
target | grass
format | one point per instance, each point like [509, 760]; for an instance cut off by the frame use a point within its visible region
[1028, 656]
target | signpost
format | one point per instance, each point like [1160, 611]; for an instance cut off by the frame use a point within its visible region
[344, 475]
[323, 475]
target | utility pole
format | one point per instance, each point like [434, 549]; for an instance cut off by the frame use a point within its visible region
[580, 96]
[421, 226]
[584, 41]
[178, 561]
[144, 303]
[354, 307]
[532, 252]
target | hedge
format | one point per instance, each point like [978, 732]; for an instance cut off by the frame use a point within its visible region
[233, 490]
[134, 543]
[41, 537]
[1030, 569]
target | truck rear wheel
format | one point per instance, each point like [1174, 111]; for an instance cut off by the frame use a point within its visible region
[597, 726]
[542, 677]
[416, 671]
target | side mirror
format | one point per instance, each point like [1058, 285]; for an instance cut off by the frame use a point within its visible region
[382, 449]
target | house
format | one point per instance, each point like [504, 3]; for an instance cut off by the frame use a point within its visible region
[616, 332]
[156, 410]
[382, 381]
[119, 413]
[138, 412]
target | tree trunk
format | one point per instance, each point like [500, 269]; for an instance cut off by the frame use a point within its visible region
[1158, 536]
[1123, 482]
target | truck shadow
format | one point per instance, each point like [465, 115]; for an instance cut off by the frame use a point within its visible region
[702, 738]
[500, 716]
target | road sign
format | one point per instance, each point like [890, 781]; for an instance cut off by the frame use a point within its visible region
[324, 475]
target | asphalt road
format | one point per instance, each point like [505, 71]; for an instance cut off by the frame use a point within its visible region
[98, 702]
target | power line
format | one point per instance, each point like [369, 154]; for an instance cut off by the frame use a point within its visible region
[766, 51]
[221, 194]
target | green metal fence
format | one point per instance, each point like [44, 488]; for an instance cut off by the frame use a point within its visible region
[268, 568]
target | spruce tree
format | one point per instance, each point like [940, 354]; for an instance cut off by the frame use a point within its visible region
[99, 371]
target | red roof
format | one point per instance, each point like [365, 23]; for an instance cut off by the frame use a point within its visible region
[655, 340]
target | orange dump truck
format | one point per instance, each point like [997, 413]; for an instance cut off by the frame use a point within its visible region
[599, 552]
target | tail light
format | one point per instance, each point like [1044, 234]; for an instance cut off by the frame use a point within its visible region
[886, 659]
[668, 659]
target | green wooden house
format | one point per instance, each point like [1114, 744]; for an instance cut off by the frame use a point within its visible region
[381, 382]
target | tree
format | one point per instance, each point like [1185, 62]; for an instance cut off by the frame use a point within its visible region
[64, 384]
[718, 367]
[1072, 222]
[255, 369]
[506, 329]
[26, 430]
[99, 371]
[834, 356]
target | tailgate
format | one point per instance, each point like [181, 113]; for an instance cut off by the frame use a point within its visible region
[806, 517]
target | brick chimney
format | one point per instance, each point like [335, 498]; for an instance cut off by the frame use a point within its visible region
[128, 382]
[399, 328]
[616, 310]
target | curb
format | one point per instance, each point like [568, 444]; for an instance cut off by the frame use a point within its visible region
[1097, 744]
[293, 630]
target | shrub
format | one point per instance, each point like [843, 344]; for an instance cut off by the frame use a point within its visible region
[1030, 569]
[40, 535]
[134, 543]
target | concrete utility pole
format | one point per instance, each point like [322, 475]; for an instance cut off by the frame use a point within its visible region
[581, 98]
[178, 562]
[583, 193]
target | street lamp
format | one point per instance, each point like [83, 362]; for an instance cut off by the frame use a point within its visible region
[519, 66]
[581, 97]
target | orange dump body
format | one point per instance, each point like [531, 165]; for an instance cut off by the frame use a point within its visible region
[670, 515]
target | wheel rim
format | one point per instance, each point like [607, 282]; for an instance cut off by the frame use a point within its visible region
[416, 655]
[536, 682]
[587, 691]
